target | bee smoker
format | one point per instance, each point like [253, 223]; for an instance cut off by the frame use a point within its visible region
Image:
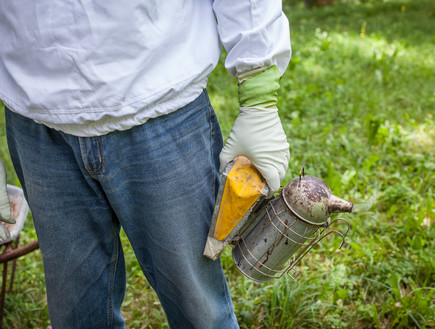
[270, 236]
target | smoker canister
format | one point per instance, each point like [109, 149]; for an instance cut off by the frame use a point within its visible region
[285, 224]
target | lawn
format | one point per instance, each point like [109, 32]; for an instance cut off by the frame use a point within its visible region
[358, 104]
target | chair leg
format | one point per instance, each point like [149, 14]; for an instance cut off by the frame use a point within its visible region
[14, 266]
[3, 293]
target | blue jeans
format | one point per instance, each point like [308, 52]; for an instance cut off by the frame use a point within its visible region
[157, 181]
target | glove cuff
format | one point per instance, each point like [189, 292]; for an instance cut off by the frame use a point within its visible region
[259, 87]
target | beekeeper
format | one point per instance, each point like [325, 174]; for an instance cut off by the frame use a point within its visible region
[109, 126]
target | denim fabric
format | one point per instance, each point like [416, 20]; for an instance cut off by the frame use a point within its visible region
[157, 181]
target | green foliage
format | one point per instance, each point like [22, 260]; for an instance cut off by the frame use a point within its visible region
[357, 103]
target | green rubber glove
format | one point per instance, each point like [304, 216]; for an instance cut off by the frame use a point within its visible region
[257, 132]
[5, 208]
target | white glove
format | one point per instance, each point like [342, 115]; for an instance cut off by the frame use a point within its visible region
[5, 208]
[257, 134]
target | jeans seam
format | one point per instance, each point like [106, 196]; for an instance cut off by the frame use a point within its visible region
[227, 297]
[100, 157]
[112, 277]
[224, 284]
[149, 277]
[211, 143]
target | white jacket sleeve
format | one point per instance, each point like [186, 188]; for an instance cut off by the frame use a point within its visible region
[255, 33]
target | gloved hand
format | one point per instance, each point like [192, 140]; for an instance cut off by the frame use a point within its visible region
[257, 132]
[5, 208]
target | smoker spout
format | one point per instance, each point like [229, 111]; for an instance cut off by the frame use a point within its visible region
[337, 204]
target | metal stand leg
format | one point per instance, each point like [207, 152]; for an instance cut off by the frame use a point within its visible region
[8, 255]
[14, 266]
[3, 292]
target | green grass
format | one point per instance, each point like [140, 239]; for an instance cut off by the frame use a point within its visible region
[357, 104]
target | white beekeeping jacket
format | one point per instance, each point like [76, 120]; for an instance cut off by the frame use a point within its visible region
[91, 67]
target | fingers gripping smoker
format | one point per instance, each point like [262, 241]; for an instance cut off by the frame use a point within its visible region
[270, 236]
